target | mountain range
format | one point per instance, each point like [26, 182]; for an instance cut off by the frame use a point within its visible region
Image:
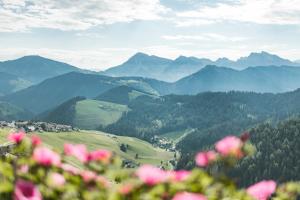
[256, 79]
[52, 83]
[54, 91]
[172, 70]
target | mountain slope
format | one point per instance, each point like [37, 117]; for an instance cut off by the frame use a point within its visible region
[257, 79]
[11, 83]
[277, 157]
[10, 112]
[211, 116]
[92, 114]
[184, 66]
[35, 68]
[62, 114]
[54, 91]
[141, 65]
[85, 113]
[122, 95]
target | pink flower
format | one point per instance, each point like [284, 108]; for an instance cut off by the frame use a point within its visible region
[78, 151]
[69, 168]
[23, 169]
[26, 191]
[57, 180]
[262, 190]
[100, 155]
[151, 175]
[46, 157]
[188, 196]
[35, 140]
[203, 159]
[230, 145]
[180, 175]
[16, 137]
[88, 176]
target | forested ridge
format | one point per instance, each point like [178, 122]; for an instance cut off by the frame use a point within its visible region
[277, 156]
[211, 115]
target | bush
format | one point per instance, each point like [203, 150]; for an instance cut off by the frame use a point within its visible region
[34, 172]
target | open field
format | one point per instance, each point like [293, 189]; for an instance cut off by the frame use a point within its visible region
[90, 114]
[99, 140]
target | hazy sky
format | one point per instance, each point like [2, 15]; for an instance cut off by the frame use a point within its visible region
[98, 34]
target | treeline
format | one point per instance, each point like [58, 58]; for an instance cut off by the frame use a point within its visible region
[277, 156]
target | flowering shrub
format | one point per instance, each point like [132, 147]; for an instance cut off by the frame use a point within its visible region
[34, 172]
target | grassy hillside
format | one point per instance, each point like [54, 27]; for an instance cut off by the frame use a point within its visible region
[100, 140]
[90, 114]
[123, 95]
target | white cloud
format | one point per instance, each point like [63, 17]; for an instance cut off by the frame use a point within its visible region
[89, 35]
[205, 37]
[22, 15]
[253, 11]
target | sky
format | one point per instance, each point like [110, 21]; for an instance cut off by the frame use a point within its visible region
[98, 34]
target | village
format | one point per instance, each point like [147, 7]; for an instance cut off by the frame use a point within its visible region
[32, 126]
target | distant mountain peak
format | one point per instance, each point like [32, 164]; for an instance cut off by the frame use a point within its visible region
[192, 60]
[263, 54]
[224, 59]
[140, 55]
[263, 58]
[34, 57]
[183, 59]
[142, 58]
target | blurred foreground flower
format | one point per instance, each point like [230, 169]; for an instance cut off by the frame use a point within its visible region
[189, 196]
[46, 157]
[262, 190]
[16, 137]
[25, 190]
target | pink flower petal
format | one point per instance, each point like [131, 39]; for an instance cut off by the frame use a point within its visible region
[262, 190]
[151, 175]
[100, 155]
[25, 190]
[230, 145]
[46, 157]
[203, 159]
[16, 137]
[35, 140]
[79, 151]
[188, 196]
[57, 180]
